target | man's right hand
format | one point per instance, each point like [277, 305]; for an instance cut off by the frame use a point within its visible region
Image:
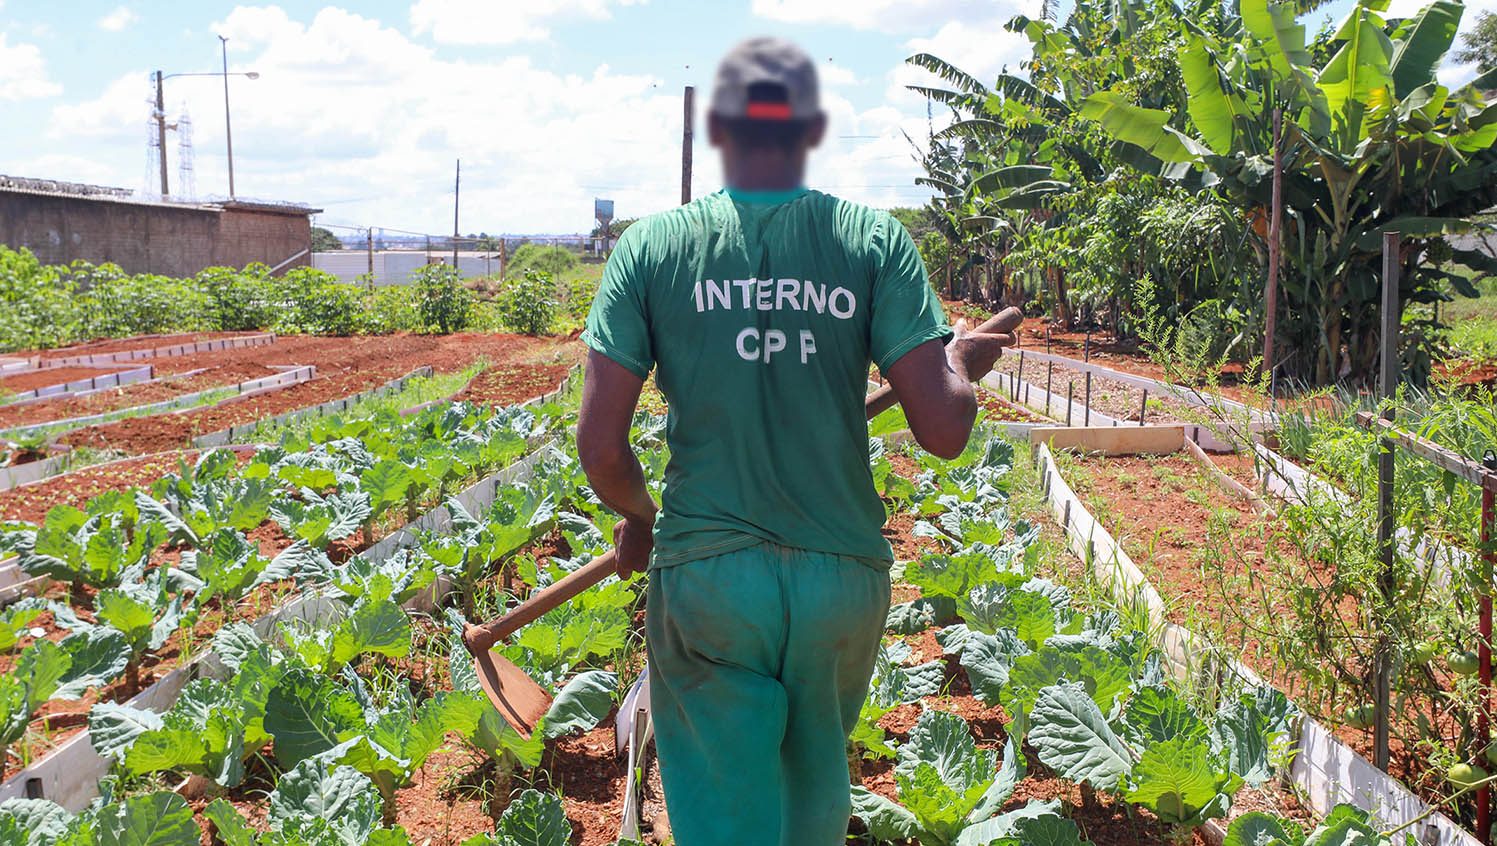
[971, 354]
[632, 542]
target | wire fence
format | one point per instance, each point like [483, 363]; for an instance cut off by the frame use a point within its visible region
[380, 256]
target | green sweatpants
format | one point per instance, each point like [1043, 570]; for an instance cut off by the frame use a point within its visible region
[759, 664]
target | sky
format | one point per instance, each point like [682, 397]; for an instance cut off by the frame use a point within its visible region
[363, 109]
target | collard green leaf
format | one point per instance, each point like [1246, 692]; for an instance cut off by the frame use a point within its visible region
[112, 728]
[1010, 773]
[1156, 715]
[307, 714]
[43, 670]
[1073, 738]
[885, 819]
[380, 627]
[1256, 828]
[154, 819]
[38, 822]
[318, 789]
[534, 819]
[1176, 780]
[987, 659]
[231, 828]
[578, 706]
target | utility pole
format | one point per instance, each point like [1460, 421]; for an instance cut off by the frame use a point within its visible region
[686, 133]
[1276, 207]
[228, 129]
[161, 131]
[457, 184]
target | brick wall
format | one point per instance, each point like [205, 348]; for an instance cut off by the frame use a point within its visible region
[150, 237]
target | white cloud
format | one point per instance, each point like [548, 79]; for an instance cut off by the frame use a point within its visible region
[360, 118]
[982, 48]
[883, 15]
[23, 72]
[503, 22]
[118, 19]
[353, 116]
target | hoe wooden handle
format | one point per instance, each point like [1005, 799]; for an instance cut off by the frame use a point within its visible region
[482, 638]
[883, 399]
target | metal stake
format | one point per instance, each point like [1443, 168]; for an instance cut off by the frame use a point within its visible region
[1484, 649]
[1070, 400]
[1019, 377]
[1387, 382]
[1088, 399]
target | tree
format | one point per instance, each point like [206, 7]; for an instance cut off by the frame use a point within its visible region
[1480, 44]
[323, 240]
[1373, 143]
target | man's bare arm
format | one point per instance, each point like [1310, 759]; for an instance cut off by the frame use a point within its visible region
[610, 394]
[934, 385]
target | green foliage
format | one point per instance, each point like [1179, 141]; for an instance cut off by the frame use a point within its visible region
[315, 302]
[528, 304]
[1141, 145]
[48, 306]
[443, 302]
[323, 240]
[552, 261]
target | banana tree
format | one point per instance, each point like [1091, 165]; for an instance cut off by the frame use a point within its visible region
[1372, 143]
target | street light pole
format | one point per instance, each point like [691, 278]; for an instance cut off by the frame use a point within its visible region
[228, 128]
[161, 131]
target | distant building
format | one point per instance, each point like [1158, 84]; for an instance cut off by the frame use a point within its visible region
[64, 221]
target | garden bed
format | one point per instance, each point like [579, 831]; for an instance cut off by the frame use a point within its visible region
[1207, 552]
[345, 366]
[269, 540]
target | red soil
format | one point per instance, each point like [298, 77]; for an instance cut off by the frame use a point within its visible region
[138, 342]
[345, 366]
[47, 378]
[513, 383]
[32, 502]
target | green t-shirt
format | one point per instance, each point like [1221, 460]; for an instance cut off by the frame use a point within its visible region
[762, 313]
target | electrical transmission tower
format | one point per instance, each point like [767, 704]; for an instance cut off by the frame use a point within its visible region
[186, 182]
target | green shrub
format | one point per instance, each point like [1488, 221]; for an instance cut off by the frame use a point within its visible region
[441, 299]
[529, 304]
[242, 299]
[553, 261]
[36, 302]
[314, 302]
[115, 304]
[389, 309]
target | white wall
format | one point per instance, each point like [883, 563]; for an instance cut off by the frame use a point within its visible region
[397, 267]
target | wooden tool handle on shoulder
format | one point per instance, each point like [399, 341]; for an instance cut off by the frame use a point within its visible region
[482, 638]
[883, 399]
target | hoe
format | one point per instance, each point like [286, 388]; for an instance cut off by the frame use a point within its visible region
[519, 699]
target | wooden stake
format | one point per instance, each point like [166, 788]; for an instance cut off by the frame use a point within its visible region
[1143, 406]
[1049, 372]
[1271, 296]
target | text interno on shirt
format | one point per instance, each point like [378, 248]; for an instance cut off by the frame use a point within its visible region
[773, 295]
